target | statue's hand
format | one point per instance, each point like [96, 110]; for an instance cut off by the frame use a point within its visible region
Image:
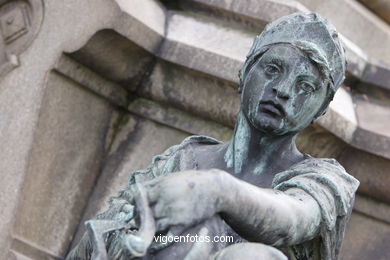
[185, 198]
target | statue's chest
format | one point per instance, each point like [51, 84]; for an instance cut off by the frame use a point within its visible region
[260, 178]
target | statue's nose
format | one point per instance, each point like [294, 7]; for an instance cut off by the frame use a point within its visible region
[283, 90]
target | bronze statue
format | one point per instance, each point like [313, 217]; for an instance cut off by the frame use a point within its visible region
[276, 202]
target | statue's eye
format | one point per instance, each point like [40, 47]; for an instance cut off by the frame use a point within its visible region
[272, 69]
[306, 87]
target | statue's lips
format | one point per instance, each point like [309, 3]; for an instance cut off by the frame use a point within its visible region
[270, 107]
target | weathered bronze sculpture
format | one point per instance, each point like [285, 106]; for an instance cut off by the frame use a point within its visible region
[274, 200]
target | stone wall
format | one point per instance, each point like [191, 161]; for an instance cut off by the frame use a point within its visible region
[91, 90]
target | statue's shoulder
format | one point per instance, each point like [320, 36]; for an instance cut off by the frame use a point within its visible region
[327, 182]
[323, 178]
[318, 168]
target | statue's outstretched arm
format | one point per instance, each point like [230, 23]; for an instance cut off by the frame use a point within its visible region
[257, 214]
[270, 216]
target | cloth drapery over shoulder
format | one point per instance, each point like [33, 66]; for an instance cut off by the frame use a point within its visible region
[334, 190]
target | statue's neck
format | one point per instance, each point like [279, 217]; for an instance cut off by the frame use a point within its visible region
[256, 151]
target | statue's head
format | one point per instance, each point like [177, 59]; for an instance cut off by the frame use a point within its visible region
[291, 73]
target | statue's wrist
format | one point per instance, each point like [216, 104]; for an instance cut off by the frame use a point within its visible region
[222, 190]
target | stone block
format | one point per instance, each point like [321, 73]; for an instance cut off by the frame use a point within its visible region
[141, 21]
[378, 73]
[366, 238]
[318, 142]
[63, 27]
[340, 118]
[23, 250]
[114, 93]
[380, 7]
[255, 12]
[125, 64]
[66, 156]
[149, 12]
[376, 209]
[179, 119]
[373, 134]
[372, 171]
[216, 50]
[195, 93]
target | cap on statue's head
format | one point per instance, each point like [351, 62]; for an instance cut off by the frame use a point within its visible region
[312, 34]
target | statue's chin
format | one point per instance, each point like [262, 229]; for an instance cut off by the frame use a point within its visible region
[276, 126]
[269, 124]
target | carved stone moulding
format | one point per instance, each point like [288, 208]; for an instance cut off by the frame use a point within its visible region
[20, 21]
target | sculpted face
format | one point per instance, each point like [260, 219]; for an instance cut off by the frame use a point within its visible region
[283, 91]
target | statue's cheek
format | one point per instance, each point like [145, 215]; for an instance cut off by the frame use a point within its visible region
[252, 102]
[298, 113]
[307, 112]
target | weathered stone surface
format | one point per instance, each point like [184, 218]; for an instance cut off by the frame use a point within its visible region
[23, 250]
[136, 142]
[318, 142]
[65, 27]
[213, 46]
[373, 115]
[356, 59]
[213, 99]
[373, 134]
[380, 7]
[17, 256]
[340, 119]
[95, 83]
[366, 238]
[65, 158]
[178, 119]
[142, 21]
[221, 43]
[378, 74]
[372, 172]
[260, 12]
[373, 208]
[124, 64]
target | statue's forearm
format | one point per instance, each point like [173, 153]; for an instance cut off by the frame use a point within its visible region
[270, 216]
